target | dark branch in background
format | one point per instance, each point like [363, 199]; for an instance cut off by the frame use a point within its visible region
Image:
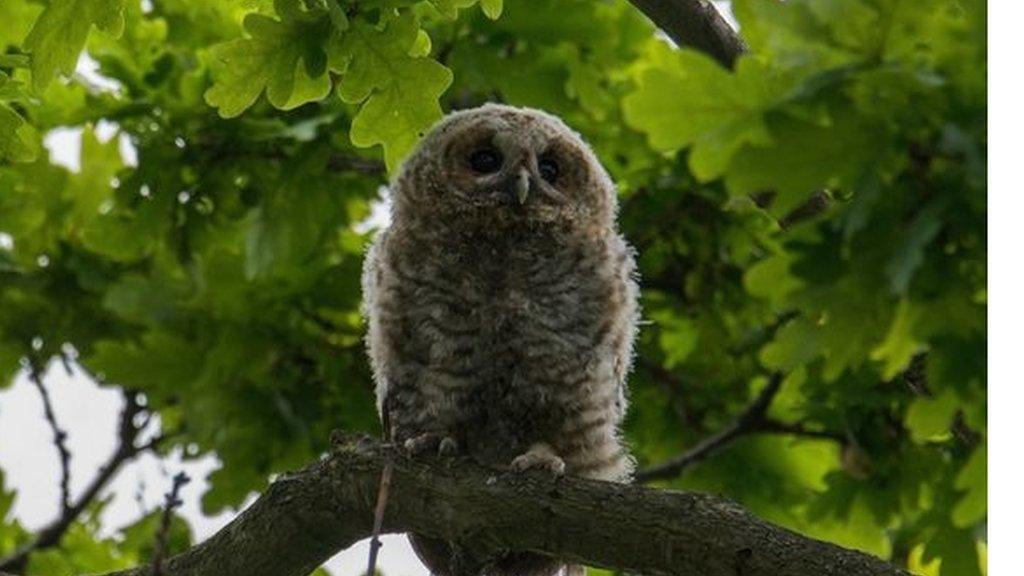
[365, 166]
[752, 420]
[742, 424]
[697, 24]
[171, 501]
[128, 434]
[60, 436]
[768, 425]
[672, 385]
[915, 377]
[306, 517]
[815, 205]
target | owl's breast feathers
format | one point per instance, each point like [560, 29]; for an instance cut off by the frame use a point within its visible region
[508, 339]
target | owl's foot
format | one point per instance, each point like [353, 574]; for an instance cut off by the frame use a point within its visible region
[539, 456]
[436, 442]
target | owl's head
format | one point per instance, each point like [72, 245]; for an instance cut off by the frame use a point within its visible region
[501, 166]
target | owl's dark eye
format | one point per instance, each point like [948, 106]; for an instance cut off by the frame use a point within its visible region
[485, 161]
[548, 168]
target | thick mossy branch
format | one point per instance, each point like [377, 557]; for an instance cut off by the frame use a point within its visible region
[306, 517]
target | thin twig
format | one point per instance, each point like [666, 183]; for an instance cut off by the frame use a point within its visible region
[753, 420]
[916, 379]
[672, 386]
[378, 517]
[741, 425]
[366, 166]
[51, 534]
[771, 426]
[60, 436]
[818, 203]
[171, 501]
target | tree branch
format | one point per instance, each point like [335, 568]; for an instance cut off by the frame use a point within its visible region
[744, 423]
[378, 518]
[50, 535]
[365, 166]
[171, 501]
[771, 426]
[306, 517]
[60, 436]
[753, 420]
[819, 202]
[697, 24]
[671, 385]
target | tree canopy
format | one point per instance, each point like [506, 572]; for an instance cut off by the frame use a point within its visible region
[810, 220]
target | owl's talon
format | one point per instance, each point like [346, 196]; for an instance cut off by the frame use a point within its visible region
[539, 456]
[422, 443]
[434, 442]
[447, 447]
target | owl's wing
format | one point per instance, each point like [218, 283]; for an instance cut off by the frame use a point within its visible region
[373, 273]
[625, 354]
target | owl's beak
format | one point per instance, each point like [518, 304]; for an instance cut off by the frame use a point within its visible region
[519, 186]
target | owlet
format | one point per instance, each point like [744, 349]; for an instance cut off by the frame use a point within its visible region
[502, 309]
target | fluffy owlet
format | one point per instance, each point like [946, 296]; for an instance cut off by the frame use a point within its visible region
[502, 308]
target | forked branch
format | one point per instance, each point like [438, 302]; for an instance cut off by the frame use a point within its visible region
[744, 423]
[753, 419]
[128, 448]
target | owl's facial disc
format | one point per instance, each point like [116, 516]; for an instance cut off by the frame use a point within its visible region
[499, 166]
[507, 171]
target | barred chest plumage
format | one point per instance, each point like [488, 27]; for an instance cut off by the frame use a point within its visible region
[516, 338]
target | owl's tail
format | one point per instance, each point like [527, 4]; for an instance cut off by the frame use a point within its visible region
[454, 559]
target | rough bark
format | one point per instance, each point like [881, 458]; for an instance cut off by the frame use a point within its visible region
[306, 517]
[697, 24]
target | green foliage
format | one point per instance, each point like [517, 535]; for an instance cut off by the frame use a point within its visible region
[12, 535]
[286, 57]
[141, 537]
[382, 66]
[18, 140]
[60, 32]
[685, 99]
[398, 91]
[219, 275]
[16, 137]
